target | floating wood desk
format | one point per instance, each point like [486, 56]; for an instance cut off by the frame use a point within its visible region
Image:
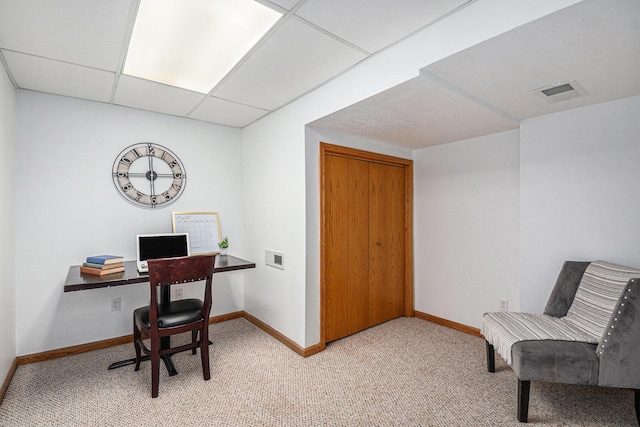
[77, 281]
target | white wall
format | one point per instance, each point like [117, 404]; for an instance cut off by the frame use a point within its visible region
[466, 227]
[580, 192]
[68, 208]
[7, 219]
[275, 154]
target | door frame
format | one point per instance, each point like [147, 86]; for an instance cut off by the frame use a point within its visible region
[327, 149]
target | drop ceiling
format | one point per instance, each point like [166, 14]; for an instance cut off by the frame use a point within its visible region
[77, 48]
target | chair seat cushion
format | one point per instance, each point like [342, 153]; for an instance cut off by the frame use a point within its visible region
[173, 313]
[565, 362]
[503, 329]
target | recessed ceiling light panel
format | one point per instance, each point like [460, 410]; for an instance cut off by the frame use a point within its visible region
[561, 91]
[193, 44]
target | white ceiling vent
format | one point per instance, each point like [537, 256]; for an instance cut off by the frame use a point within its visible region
[561, 91]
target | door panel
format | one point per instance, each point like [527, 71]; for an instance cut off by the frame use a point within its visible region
[358, 246]
[386, 243]
[335, 258]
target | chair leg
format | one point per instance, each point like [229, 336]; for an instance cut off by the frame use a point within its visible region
[155, 367]
[637, 399]
[136, 344]
[204, 351]
[523, 400]
[491, 358]
[194, 338]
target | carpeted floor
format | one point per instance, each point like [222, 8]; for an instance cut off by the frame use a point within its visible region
[407, 372]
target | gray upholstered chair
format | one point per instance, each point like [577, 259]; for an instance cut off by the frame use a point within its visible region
[565, 344]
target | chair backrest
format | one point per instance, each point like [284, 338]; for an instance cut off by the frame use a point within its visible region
[565, 288]
[600, 288]
[171, 271]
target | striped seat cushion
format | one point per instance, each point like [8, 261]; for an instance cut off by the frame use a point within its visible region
[600, 288]
[502, 329]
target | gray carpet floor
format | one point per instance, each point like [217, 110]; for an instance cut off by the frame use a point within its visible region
[406, 372]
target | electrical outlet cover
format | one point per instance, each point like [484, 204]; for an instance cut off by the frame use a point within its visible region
[116, 303]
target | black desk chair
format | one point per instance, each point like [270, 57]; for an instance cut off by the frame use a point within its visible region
[160, 320]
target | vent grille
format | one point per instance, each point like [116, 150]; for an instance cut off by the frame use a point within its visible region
[561, 91]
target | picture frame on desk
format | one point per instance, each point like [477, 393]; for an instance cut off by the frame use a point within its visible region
[203, 229]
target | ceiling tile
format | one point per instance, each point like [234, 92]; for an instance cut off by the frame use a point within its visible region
[294, 60]
[45, 75]
[592, 42]
[221, 111]
[151, 96]
[416, 114]
[374, 24]
[83, 32]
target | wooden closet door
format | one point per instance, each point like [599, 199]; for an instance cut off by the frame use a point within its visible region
[364, 248]
[387, 242]
[347, 257]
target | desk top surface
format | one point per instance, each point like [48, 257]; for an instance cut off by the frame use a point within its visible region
[77, 281]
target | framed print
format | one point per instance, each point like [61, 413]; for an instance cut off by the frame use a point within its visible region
[203, 229]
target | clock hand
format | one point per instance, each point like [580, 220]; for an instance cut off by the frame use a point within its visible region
[152, 177]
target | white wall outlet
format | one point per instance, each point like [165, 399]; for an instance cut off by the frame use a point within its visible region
[274, 258]
[503, 304]
[116, 303]
[179, 293]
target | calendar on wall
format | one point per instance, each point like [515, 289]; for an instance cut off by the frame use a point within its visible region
[203, 229]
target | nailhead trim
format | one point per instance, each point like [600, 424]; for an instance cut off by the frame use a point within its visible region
[615, 319]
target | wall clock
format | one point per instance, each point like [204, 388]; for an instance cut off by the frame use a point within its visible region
[149, 175]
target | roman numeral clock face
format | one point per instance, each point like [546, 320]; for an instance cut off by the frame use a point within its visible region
[149, 175]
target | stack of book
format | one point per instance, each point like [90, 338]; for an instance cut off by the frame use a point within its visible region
[100, 265]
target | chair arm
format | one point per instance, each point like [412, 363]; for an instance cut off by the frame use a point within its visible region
[619, 348]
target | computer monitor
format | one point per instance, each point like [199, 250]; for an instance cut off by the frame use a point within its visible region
[160, 245]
